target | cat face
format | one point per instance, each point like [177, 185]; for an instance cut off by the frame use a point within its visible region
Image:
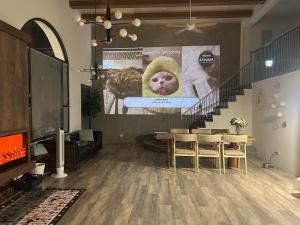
[163, 83]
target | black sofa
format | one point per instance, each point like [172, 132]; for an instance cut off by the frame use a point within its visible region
[76, 150]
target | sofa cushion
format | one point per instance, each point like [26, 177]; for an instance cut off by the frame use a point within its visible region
[67, 137]
[86, 135]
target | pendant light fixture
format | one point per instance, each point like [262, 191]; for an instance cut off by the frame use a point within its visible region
[96, 69]
[109, 21]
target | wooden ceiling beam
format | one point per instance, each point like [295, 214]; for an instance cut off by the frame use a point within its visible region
[183, 15]
[89, 4]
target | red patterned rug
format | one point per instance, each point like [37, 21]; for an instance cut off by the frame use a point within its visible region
[40, 207]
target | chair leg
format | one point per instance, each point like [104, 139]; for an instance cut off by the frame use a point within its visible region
[220, 169]
[246, 169]
[224, 164]
[174, 162]
[197, 164]
[193, 161]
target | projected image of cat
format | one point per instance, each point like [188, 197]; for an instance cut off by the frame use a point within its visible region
[163, 83]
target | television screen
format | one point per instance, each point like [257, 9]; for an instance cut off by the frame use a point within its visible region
[157, 80]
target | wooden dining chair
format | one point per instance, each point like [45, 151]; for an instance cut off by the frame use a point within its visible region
[189, 150]
[210, 147]
[236, 149]
[179, 131]
[220, 131]
[201, 131]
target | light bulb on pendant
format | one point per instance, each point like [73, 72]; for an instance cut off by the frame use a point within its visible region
[81, 23]
[118, 15]
[123, 32]
[279, 114]
[133, 37]
[273, 106]
[137, 22]
[77, 18]
[282, 103]
[94, 43]
[107, 24]
[99, 19]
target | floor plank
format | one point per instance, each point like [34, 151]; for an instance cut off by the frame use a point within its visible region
[126, 185]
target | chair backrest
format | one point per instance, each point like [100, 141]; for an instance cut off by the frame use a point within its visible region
[219, 131]
[212, 138]
[186, 137]
[201, 131]
[236, 138]
[179, 131]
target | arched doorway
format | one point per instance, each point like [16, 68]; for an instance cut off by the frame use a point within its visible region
[48, 80]
[45, 38]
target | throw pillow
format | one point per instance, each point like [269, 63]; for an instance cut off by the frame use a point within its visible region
[38, 149]
[67, 137]
[86, 135]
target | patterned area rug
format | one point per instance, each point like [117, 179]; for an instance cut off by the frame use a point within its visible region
[40, 207]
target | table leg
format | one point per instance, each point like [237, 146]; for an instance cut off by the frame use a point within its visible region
[168, 155]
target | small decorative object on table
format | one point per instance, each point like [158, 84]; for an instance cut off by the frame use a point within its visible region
[239, 123]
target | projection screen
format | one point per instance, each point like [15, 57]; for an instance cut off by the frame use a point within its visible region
[158, 80]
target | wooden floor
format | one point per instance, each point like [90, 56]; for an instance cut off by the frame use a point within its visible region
[128, 185]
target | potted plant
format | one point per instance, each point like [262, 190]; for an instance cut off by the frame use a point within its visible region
[91, 105]
[239, 123]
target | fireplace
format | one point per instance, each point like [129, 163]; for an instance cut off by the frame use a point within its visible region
[13, 150]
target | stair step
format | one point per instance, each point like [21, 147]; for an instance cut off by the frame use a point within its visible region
[209, 117]
[239, 92]
[216, 111]
[228, 99]
[222, 105]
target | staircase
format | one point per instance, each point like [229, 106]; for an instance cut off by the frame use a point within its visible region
[230, 99]
[233, 97]
[237, 105]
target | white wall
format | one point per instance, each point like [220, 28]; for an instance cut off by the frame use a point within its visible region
[270, 136]
[75, 39]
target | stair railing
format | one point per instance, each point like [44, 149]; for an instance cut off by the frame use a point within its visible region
[217, 96]
[279, 56]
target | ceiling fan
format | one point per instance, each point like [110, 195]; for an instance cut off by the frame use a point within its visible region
[192, 26]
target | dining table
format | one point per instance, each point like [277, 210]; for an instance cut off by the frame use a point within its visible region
[169, 138]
